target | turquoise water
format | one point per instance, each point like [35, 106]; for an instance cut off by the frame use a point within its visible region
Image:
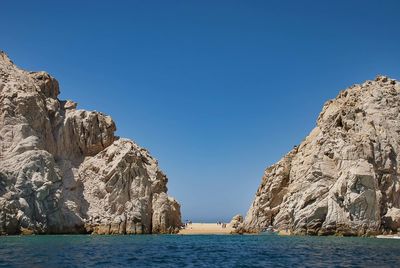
[197, 251]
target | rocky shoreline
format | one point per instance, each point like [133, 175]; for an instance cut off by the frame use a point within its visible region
[64, 171]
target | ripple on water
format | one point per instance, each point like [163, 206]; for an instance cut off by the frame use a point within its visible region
[196, 251]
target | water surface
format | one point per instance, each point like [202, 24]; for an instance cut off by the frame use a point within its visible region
[197, 251]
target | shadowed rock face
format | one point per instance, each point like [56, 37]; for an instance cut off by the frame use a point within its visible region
[343, 178]
[63, 170]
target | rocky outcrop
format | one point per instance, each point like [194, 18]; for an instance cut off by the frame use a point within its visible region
[236, 221]
[62, 170]
[343, 178]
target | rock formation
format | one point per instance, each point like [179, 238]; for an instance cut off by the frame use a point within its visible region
[343, 178]
[63, 170]
[236, 221]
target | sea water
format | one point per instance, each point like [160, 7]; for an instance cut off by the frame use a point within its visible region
[197, 251]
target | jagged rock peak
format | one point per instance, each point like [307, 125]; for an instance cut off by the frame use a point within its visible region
[4, 58]
[63, 170]
[343, 178]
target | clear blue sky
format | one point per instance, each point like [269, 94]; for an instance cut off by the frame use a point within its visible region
[216, 90]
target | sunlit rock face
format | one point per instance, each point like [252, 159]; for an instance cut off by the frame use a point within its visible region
[343, 178]
[62, 170]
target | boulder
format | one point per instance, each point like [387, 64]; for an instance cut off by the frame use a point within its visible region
[236, 221]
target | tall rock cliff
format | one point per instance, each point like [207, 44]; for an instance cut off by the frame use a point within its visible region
[62, 170]
[343, 178]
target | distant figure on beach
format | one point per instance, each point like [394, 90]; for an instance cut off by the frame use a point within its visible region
[186, 223]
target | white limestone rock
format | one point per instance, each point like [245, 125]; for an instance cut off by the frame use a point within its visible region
[63, 170]
[343, 178]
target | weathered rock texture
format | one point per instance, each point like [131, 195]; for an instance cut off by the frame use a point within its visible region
[63, 170]
[343, 178]
[236, 221]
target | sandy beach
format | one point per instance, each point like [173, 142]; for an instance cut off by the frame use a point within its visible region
[206, 228]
